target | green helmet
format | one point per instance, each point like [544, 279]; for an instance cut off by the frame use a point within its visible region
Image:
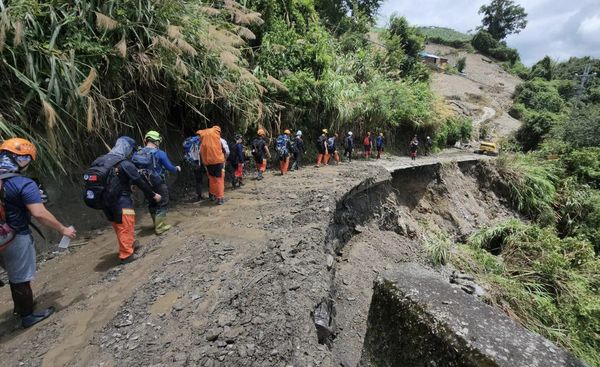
[153, 136]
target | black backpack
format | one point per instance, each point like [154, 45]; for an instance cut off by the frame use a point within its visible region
[102, 187]
[257, 148]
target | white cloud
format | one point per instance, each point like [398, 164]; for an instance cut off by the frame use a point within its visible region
[559, 29]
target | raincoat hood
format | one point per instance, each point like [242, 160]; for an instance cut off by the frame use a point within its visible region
[123, 147]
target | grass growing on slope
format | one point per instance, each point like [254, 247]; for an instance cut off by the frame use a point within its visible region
[446, 36]
[551, 285]
[531, 185]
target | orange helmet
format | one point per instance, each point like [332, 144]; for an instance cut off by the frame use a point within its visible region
[19, 147]
[261, 132]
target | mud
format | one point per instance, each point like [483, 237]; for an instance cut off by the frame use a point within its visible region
[280, 275]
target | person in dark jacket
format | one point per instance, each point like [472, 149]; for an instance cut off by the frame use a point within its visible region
[122, 214]
[379, 141]
[322, 148]
[298, 150]
[237, 162]
[414, 146]
[349, 146]
[22, 200]
[260, 152]
[156, 176]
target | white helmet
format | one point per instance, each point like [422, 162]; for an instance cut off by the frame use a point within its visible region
[299, 133]
[350, 133]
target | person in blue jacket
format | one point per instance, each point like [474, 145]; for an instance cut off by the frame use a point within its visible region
[379, 141]
[21, 201]
[153, 162]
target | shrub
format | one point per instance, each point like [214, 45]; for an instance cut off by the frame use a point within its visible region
[483, 42]
[534, 128]
[530, 185]
[461, 63]
[549, 284]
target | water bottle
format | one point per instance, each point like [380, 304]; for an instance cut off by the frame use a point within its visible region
[64, 241]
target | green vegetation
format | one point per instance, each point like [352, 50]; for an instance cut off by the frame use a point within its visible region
[547, 274]
[445, 36]
[548, 283]
[485, 43]
[79, 73]
[503, 17]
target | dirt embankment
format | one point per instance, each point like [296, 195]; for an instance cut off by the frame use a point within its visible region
[484, 87]
[238, 285]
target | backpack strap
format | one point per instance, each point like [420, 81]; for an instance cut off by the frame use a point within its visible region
[9, 175]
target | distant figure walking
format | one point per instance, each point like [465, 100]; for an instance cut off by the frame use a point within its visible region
[428, 145]
[368, 145]
[414, 146]
[349, 146]
[379, 141]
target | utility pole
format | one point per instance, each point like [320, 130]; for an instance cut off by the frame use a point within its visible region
[584, 79]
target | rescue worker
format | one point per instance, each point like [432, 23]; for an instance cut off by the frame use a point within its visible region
[237, 162]
[428, 145]
[349, 146]
[298, 150]
[191, 147]
[368, 145]
[156, 176]
[22, 200]
[321, 147]
[260, 152]
[212, 152]
[379, 145]
[122, 214]
[332, 150]
[284, 147]
[414, 146]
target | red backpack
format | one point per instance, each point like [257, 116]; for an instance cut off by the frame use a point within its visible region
[367, 141]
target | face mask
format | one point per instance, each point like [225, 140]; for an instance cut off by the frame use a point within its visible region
[23, 160]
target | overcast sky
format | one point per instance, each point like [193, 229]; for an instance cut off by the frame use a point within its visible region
[558, 28]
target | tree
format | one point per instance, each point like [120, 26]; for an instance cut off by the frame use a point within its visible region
[503, 17]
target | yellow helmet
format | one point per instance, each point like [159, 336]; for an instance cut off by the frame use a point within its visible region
[325, 131]
[287, 131]
[261, 132]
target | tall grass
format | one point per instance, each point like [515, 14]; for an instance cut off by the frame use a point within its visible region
[549, 284]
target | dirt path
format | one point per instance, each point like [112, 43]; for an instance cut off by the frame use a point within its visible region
[485, 86]
[233, 284]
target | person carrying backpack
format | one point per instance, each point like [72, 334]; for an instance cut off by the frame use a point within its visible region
[414, 146]
[213, 153]
[321, 147]
[379, 145]
[298, 150]
[349, 146]
[191, 149]
[283, 147]
[109, 183]
[260, 152]
[20, 200]
[237, 161]
[368, 145]
[332, 150]
[428, 145]
[152, 162]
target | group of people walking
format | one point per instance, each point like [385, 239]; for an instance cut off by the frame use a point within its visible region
[112, 178]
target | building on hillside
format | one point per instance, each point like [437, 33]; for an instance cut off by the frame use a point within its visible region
[434, 60]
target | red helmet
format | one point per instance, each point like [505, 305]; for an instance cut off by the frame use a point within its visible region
[19, 146]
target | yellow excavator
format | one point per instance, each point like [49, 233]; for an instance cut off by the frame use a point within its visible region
[487, 147]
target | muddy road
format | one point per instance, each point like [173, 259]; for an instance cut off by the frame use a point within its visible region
[238, 284]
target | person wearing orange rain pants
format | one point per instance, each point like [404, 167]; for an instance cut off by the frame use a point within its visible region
[322, 148]
[213, 158]
[122, 215]
[261, 153]
[284, 148]
[332, 150]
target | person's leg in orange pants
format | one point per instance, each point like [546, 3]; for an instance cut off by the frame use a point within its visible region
[320, 157]
[326, 161]
[336, 157]
[284, 164]
[125, 233]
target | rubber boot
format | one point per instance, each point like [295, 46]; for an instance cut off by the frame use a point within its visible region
[160, 225]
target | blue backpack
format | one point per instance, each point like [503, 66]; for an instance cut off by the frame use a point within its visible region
[191, 149]
[144, 159]
[282, 145]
